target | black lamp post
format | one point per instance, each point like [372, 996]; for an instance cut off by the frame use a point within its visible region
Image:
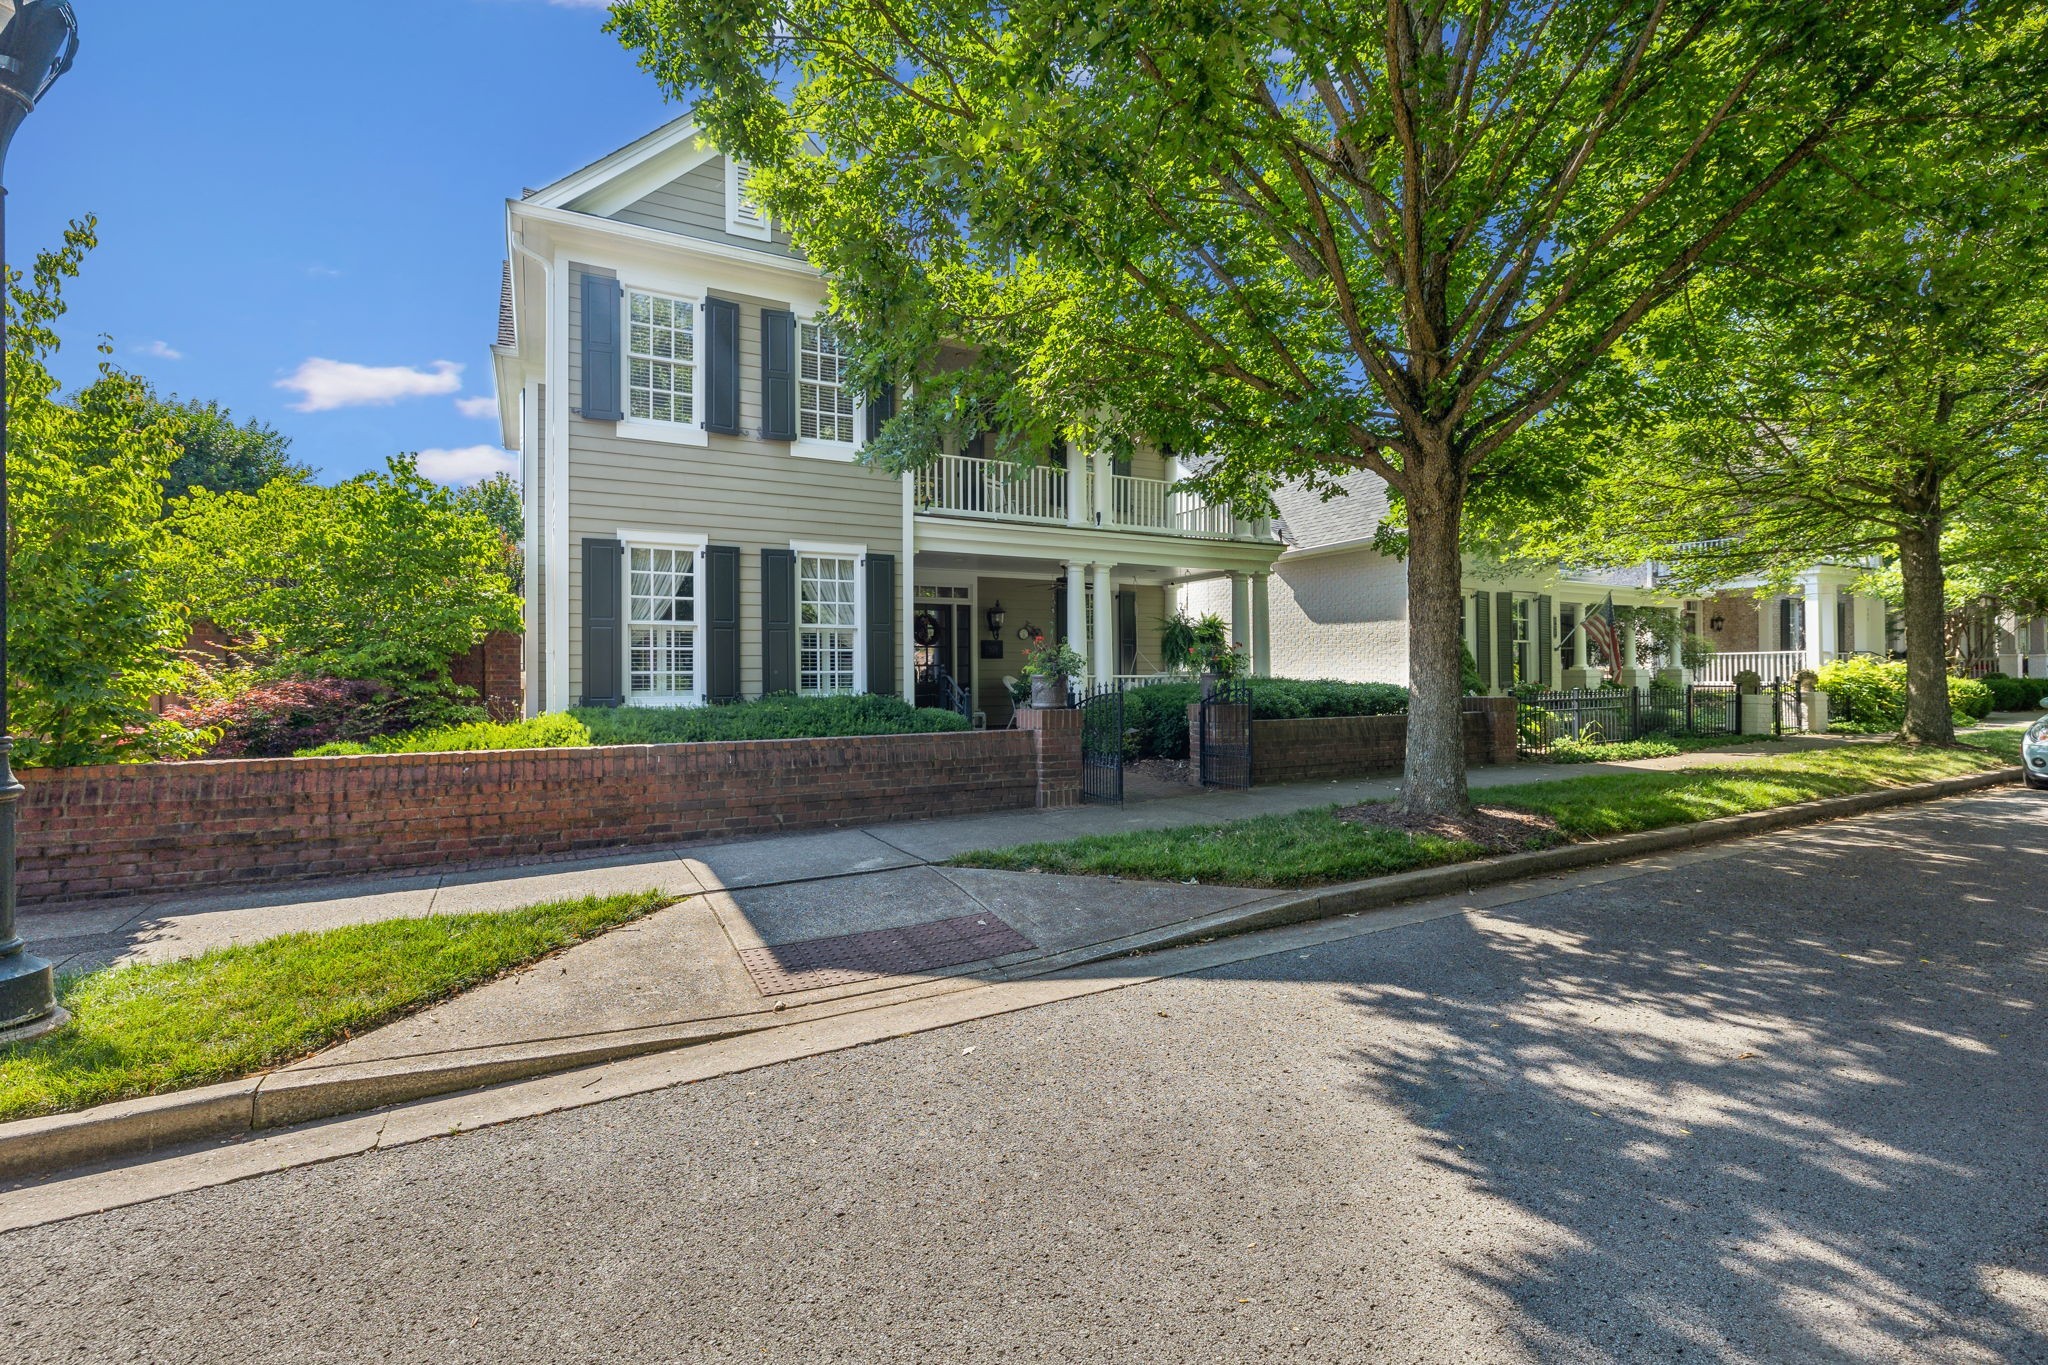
[38, 39]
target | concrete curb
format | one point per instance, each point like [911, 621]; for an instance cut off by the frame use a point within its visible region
[42, 1146]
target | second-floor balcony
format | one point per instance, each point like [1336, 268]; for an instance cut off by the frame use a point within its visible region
[966, 486]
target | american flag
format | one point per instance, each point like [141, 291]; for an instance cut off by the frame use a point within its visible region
[1600, 628]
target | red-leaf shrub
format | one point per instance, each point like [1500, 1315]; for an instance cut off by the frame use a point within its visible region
[277, 719]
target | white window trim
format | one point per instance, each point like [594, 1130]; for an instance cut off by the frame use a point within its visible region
[845, 452]
[761, 231]
[690, 433]
[647, 539]
[859, 555]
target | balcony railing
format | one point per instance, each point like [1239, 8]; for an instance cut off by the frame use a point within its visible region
[966, 486]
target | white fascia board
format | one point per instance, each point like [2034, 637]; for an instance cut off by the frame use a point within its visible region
[573, 231]
[1054, 543]
[510, 376]
[626, 163]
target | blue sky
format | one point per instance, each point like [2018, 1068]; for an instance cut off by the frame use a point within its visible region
[287, 189]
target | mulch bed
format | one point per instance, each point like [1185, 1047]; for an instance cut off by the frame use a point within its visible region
[1497, 829]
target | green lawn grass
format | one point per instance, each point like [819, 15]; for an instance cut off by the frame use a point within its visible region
[1664, 746]
[161, 1026]
[2003, 741]
[1315, 848]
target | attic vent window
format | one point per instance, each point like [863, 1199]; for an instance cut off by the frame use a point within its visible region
[743, 217]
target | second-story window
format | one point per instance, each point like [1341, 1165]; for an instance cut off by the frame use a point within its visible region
[661, 359]
[824, 402]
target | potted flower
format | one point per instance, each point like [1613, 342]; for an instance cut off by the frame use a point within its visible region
[1225, 665]
[1050, 665]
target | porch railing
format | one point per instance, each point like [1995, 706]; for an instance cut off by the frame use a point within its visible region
[993, 488]
[1002, 491]
[1767, 664]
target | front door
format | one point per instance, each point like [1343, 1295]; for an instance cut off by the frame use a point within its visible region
[945, 636]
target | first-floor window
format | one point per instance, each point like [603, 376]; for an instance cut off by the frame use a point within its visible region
[828, 623]
[1523, 614]
[661, 622]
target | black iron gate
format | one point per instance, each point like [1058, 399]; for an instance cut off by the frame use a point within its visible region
[1102, 744]
[1226, 736]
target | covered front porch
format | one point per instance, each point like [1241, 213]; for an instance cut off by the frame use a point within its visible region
[973, 616]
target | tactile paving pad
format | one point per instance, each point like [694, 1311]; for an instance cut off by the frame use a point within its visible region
[841, 961]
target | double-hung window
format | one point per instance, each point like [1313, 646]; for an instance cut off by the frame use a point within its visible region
[661, 623]
[1523, 615]
[824, 401]
[661, 358]
[828, 623]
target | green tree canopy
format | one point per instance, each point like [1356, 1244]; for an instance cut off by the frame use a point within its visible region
[385, 576]
[213, 451]
[92, 635]
[1302, 241]
[1885, 397]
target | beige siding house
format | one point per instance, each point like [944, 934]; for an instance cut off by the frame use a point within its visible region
[700, 526]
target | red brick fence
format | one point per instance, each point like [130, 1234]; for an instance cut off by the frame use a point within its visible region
[139, 828]
[1329, 748]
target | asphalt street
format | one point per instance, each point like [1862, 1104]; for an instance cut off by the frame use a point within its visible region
[1785, 1105]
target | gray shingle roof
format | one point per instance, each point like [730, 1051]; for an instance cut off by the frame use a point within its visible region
[508, 331]
[1307, 522]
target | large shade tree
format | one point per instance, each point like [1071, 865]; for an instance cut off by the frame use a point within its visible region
[1300, 240]
[1887, 396]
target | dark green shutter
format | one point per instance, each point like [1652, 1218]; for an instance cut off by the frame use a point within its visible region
[1546, 650]
[881, 590]
[778, 621]
[1127, 632]
[604, 603]
[722, 366]
[880, 409]
[778, 374]
[1059, 613]
[1482, 639]
[722, 630]
[601, 384]
[1504, 634]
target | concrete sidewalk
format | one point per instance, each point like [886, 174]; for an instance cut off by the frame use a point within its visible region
[157, 928]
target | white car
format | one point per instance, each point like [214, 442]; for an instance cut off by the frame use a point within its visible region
[2034, 753]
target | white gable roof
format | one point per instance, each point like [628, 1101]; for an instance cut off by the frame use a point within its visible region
[631, 173]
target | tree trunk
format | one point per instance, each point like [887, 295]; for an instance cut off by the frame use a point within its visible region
[1435, 783]
[1929, 719]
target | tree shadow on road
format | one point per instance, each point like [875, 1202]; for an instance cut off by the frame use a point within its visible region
[1791, 1105]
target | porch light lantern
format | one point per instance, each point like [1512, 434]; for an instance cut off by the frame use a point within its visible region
[996, 617]
[1716, 624]
[38, 40]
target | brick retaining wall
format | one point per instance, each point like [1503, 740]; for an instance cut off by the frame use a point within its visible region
[150, 828]
[1329, 748]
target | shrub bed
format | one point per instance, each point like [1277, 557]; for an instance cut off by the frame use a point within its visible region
[542, 732]
[2016, 694]
[274, 719]
[1872, 692]
[778, 717]
[1156, 716]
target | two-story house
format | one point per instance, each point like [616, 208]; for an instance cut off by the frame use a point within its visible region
[699, 526]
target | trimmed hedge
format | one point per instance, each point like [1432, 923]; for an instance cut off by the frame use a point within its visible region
[1969, 697]
[777, 717]
[1156, 716]
[2016, 694]
[1872, 691]
[542, 732]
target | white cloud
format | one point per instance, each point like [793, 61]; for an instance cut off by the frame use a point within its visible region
[160, 350]
[468, 464]
[324, 385]
[477, 407]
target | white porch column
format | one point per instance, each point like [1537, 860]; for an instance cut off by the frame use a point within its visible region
[1820, 624]
[1241, 610]
[1102, 661]
[1077, 608]
[1105, 486]
[906, 622]
[1262, 626]
[1077, 487]
[1175, 472]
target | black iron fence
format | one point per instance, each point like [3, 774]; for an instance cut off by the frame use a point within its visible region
[1606, 715]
